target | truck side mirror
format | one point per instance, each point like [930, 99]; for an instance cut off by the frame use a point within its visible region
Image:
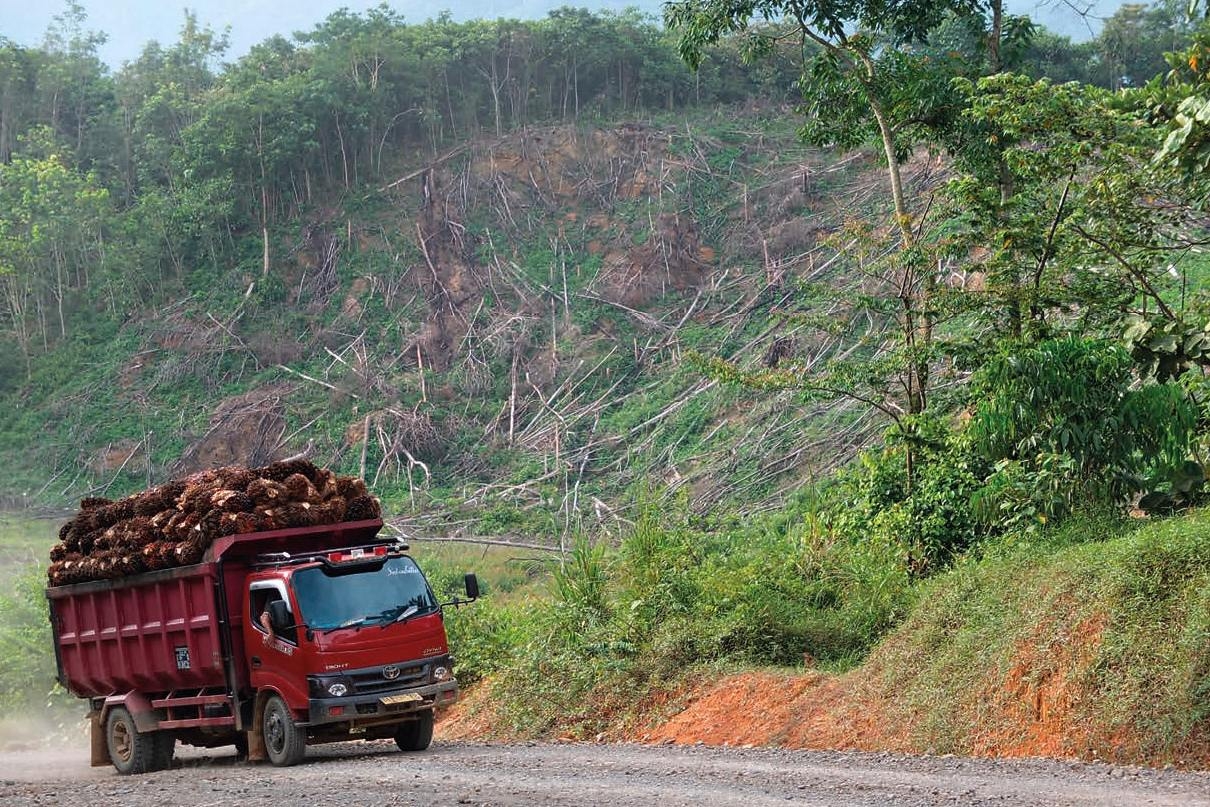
[472, 586]
[279, 615]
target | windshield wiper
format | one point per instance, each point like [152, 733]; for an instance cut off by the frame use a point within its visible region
[408, 613]
[359, 622]
[389, 616]
[404, 614]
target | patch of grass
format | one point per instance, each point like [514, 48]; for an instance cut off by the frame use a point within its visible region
[501, 570]
[27, 659]
[1092, 646]
[485, 635]
[674, 597]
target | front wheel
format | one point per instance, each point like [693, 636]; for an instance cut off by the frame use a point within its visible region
[416, 735]
[285, 741]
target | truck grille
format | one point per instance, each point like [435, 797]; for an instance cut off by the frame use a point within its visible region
[373, 681]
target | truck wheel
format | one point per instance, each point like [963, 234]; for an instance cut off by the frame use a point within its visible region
[415, 735]
[129, 750]
[285, 742]
[163, 744]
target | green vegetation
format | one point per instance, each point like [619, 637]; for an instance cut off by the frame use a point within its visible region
[24, 541]
[775, 383]
[1114, 612]
[27, 661]
[616, 626]
[1094, 634]
[27, 670]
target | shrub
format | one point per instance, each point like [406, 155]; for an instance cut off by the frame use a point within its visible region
[928, 522]
[1066, 423]
[27, 658]
[484, 637]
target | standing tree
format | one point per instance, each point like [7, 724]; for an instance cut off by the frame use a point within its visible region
[75, 92]
[50, 235]
[1134, 40]
[857, 75]
[862, 81]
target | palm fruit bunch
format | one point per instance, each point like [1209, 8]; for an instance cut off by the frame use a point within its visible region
[175, 523]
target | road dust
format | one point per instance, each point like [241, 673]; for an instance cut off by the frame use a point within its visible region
[54, 747]
[37, 747]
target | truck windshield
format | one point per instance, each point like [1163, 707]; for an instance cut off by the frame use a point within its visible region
[396, 591]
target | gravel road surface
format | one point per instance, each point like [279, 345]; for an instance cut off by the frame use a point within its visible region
[586, 774]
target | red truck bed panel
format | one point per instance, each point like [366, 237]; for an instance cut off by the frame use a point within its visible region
[154, 637]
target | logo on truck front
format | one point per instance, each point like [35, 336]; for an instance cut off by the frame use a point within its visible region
[390, 672]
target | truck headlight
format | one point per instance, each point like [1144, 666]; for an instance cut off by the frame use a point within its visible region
[441, 674]
[329, 686]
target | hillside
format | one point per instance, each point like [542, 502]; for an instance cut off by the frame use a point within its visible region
[497, 339]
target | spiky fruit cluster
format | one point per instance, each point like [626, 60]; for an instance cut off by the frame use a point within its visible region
[175, 523]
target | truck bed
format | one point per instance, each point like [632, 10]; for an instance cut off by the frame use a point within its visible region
[160, 634]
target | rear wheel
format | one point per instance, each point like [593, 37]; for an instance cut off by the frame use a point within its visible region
[132, 751]
[163, 745]
[416, 735]
[285, 741]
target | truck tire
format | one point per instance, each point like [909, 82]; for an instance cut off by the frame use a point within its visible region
[416, 735]
[130, 750]
[285, 742]
[163, 744]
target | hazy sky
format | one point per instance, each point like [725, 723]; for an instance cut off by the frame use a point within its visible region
[131, 23]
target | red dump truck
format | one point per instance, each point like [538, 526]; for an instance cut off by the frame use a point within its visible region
[275, 640]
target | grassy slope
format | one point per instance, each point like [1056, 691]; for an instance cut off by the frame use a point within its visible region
[1099, 649]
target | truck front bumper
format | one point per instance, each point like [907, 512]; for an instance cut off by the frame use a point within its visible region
[381, 705]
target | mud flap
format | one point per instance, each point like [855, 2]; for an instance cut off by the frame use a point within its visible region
[256, 737]
[96, 734]
[139, 706]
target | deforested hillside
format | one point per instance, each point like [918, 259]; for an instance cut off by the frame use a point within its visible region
[471, 262]
[504, 269]
[501, 338]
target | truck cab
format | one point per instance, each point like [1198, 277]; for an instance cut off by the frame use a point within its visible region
[351, 642]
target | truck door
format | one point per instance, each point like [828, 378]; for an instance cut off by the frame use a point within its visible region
[274, 656]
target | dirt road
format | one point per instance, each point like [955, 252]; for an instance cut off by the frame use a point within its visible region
[572, 774]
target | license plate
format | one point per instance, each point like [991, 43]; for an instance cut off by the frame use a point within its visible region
[409, 697]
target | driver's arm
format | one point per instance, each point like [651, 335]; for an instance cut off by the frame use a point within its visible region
[267, 624]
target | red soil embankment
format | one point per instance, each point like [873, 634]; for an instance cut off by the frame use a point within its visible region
[812, 710]
[1031, 709]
